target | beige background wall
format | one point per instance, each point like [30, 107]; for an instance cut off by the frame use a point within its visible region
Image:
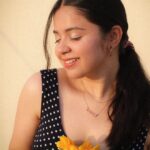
[22, 25]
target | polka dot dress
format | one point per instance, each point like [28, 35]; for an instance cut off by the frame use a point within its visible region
[50, 127]
[138, 143]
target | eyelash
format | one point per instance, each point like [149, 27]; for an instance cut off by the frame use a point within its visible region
[57, 41]
[73, 39]
[76, 38]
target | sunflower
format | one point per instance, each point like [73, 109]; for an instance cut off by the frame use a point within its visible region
[65, 143]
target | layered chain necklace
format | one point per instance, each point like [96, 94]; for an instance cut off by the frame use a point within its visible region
[96, 100]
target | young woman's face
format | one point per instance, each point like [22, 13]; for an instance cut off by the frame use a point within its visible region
[80, 45]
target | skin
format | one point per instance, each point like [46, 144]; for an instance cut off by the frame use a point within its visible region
[92, 45]
[86, 43]
[27, 115]
[75, 37]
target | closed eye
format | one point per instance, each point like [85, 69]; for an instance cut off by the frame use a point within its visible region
[76, 38]
[57, 41]
[73, 39]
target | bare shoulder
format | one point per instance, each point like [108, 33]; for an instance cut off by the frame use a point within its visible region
[33, 84]
[28, 114]
[31, 92]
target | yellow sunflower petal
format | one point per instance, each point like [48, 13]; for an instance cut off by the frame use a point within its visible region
[97, 147]
[73, 147]
[85, 146]
[64, 143]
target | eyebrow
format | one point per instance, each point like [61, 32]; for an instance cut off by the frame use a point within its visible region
[70, 29]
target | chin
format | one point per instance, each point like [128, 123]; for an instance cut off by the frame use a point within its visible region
[74, 74]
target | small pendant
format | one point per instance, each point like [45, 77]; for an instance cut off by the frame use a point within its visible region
[92, 113]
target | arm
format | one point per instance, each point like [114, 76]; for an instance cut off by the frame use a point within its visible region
[28, 114]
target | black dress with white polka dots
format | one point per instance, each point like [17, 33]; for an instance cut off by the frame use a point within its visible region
[50, 127]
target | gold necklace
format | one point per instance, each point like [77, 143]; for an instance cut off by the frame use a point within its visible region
[88, 109]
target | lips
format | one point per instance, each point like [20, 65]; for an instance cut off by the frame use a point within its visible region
[70, 62]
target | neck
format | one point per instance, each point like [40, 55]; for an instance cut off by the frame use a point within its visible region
[102, 85]
[100, 90]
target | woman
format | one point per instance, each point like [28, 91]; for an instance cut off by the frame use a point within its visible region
[101, 94]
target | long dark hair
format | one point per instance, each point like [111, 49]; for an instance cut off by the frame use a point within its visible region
[131, 103]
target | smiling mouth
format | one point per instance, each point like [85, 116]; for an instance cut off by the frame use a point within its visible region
[70, 62]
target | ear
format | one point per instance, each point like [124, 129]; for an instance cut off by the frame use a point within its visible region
[115, 36]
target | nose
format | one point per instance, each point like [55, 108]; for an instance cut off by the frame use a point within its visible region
[63, 48]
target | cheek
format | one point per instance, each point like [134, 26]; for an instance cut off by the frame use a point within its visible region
[92, 48]
[93, 54]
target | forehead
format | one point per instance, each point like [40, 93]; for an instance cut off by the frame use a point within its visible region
[68, 16]
[71, 10]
